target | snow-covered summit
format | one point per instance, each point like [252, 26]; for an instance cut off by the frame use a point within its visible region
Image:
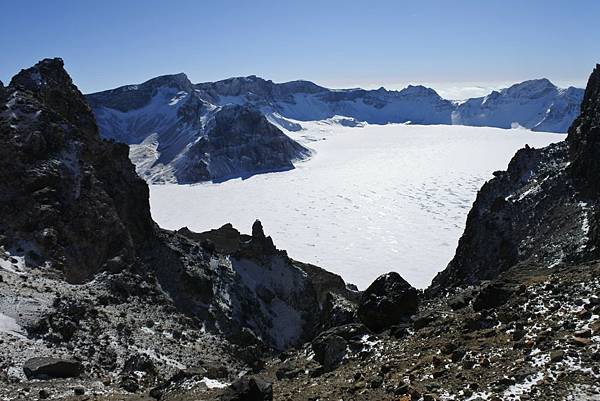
[535, 104]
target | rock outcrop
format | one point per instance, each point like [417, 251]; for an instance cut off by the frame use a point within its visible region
[238, 142]
[544, 210]
[390, 300]
[67, 198]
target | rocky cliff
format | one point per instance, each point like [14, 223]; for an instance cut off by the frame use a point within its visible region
[69, 200]
[543, 210]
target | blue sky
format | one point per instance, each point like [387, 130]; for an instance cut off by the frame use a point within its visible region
[445, 44]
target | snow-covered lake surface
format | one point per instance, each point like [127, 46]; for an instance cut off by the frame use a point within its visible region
[372, 199]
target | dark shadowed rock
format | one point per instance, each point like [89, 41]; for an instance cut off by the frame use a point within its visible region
[51, 368]
[61, 184]
[542, 211]
[249, 389]
[584, 138]
[239, 142]
[387, 302]
[492, 295]
[330, 346]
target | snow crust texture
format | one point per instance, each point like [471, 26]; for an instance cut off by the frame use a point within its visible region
[372, 199]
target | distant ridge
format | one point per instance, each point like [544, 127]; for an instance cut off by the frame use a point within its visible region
[174, 136]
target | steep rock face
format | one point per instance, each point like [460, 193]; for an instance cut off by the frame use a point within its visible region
[542, 211]
[584, 139]
[177, 135]
[238, 141]
[61, 184]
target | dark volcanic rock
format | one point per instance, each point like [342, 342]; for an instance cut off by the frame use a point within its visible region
[51, 368]
[387, 302]
[249, 389]
[584, 139]
[492, 295]
[60, 184]
[542, 211]
[330, 347]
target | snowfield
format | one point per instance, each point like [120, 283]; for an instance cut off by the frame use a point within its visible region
[372, 199]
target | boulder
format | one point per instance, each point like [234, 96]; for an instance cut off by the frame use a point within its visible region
[51, 368]
[388, 301]
[491, 296]
[459, 301]
[330, 347]
[329, 350]
[249, 389]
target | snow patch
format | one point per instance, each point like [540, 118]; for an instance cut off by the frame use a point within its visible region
[9, 325]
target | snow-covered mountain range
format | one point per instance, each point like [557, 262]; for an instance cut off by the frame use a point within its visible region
[536, 104]
[182, 132]
[176, 135]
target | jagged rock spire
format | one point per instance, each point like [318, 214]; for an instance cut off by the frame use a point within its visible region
[69, 199]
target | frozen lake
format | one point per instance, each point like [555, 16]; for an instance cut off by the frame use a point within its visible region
[372, 199]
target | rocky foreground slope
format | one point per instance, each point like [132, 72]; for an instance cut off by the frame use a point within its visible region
[220, 315]
[88, 279]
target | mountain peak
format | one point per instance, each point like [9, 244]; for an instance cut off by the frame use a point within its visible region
[46, 73]
[178, 81]
[531, 88]
[419, 90]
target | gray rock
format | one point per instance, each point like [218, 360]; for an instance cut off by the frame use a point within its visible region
[45, 368]
[249, 389]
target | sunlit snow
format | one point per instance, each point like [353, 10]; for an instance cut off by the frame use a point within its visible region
[372, 199]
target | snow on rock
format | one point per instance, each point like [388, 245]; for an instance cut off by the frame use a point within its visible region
[9, 325]
[536, 104]
[176, 135]
[167, 120]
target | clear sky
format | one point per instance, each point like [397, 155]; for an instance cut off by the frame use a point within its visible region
[450, 45]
